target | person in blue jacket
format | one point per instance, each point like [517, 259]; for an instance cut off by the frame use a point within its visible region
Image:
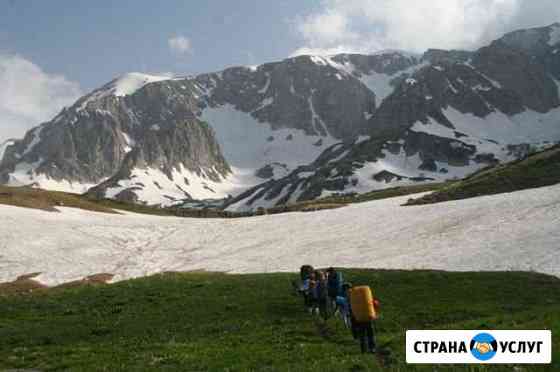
[343, 305]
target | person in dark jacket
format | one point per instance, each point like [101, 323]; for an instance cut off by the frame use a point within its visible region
[307, 274]
[307, 289]
[321, 294]
[364, 331]
[334, 283]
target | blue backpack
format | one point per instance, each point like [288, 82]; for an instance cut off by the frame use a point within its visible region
[335, 284]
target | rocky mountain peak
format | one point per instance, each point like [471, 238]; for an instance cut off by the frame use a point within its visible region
[134, 122]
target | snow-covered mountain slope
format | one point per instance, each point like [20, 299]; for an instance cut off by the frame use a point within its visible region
[517, 231]
[3, 146]
[151, 184]
[453, 114]
[250, 146]
[295, 129]
[427, 152]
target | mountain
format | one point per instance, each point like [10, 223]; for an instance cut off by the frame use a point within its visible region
[160, 140]
[454, 113]
[131, 128]
[301, 128]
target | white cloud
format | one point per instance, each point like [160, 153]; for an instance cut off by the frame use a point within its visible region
[370, 25]
[329, 51]
[29, 96]
[330, 26]
[180, 44]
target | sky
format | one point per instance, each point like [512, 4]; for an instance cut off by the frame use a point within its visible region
[52, 52]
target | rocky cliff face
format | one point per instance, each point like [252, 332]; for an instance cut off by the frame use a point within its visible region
[301, 128]
[320, 96]
[109, 134]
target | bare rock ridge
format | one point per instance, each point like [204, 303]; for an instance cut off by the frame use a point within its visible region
[104, 136]
[300, 128]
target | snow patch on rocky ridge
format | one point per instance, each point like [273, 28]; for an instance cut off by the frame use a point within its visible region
[554, 35]
[130, 83]
[4, 146]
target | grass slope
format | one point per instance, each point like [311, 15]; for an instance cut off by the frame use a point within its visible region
[217, 322]
[538, 170]
[28, 197]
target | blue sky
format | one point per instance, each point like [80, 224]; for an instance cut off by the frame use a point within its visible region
[54, 51]
[94, 41]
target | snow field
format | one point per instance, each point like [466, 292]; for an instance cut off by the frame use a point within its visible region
[154, 187]
[517, 231]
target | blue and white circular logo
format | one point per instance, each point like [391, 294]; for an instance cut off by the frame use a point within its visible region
[484, 346]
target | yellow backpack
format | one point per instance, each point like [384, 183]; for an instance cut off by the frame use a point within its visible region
[361, 301]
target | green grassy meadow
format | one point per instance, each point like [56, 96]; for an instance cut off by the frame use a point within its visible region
[218, 322]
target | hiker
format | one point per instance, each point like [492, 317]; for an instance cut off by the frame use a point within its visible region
[364, 331]
[312, 299]
[343, 305]
[308, 288]
[364, 314]
[320, 294]
[306, 273]
[334, 280]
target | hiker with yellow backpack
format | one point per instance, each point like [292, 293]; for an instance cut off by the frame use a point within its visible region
[365, 310]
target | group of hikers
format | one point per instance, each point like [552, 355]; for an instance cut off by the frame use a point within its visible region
[325, 293]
